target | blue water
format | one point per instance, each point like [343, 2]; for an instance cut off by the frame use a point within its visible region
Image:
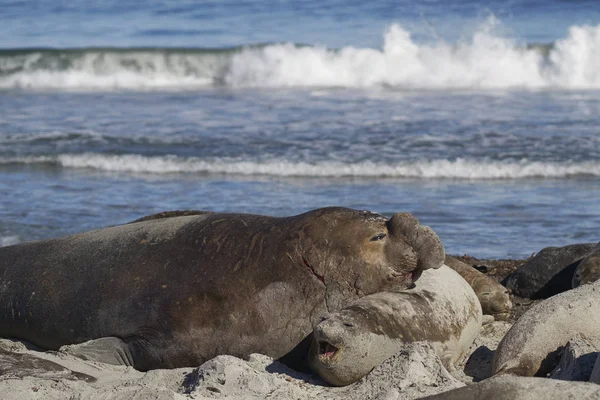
[219, 23]
[480, 118]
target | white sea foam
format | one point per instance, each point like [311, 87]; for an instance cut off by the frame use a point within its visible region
[433, 169]
[9, 240]
[486, 60]
[119, 79]
[105, 69]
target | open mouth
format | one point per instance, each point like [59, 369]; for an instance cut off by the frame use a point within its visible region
[416, 274]
[327, 351]
[409, 277]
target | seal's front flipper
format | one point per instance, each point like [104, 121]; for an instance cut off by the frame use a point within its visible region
[109, 350]
[21, 365]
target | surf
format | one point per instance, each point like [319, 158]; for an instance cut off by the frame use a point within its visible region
[486, 59]
[459, 168]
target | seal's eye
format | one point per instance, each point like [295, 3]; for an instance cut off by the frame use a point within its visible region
[348, 325]
[378, 237]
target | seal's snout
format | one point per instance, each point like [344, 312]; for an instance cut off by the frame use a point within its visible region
[427, 247]
[326, 342]
[404, 280]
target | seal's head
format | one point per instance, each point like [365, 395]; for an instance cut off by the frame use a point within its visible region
[367, 250]
[495, 300]
[588, 270]
[344, 348]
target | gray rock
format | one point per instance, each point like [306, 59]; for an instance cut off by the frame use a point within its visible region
[548, 273]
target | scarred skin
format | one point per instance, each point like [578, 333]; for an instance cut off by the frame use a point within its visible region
[177, 291]
[494, 298]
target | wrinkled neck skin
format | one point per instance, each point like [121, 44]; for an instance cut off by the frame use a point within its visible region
[347, 265]
[316, 256]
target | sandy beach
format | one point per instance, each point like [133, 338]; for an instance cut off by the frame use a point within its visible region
[413, 373]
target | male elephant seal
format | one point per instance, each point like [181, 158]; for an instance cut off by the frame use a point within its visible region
[174, 292]
[442, 309]
[494, 298]
[531, 346]
[588, 270]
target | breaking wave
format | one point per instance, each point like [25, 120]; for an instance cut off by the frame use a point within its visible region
[486, 60]
[433, 169]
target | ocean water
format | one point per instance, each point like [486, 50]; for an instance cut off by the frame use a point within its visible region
[481, 118]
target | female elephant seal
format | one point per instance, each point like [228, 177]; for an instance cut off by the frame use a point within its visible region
[588, 270]
[530, 347]
[520, 388]
[442, 309]
[494, 298]
[174, 292]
